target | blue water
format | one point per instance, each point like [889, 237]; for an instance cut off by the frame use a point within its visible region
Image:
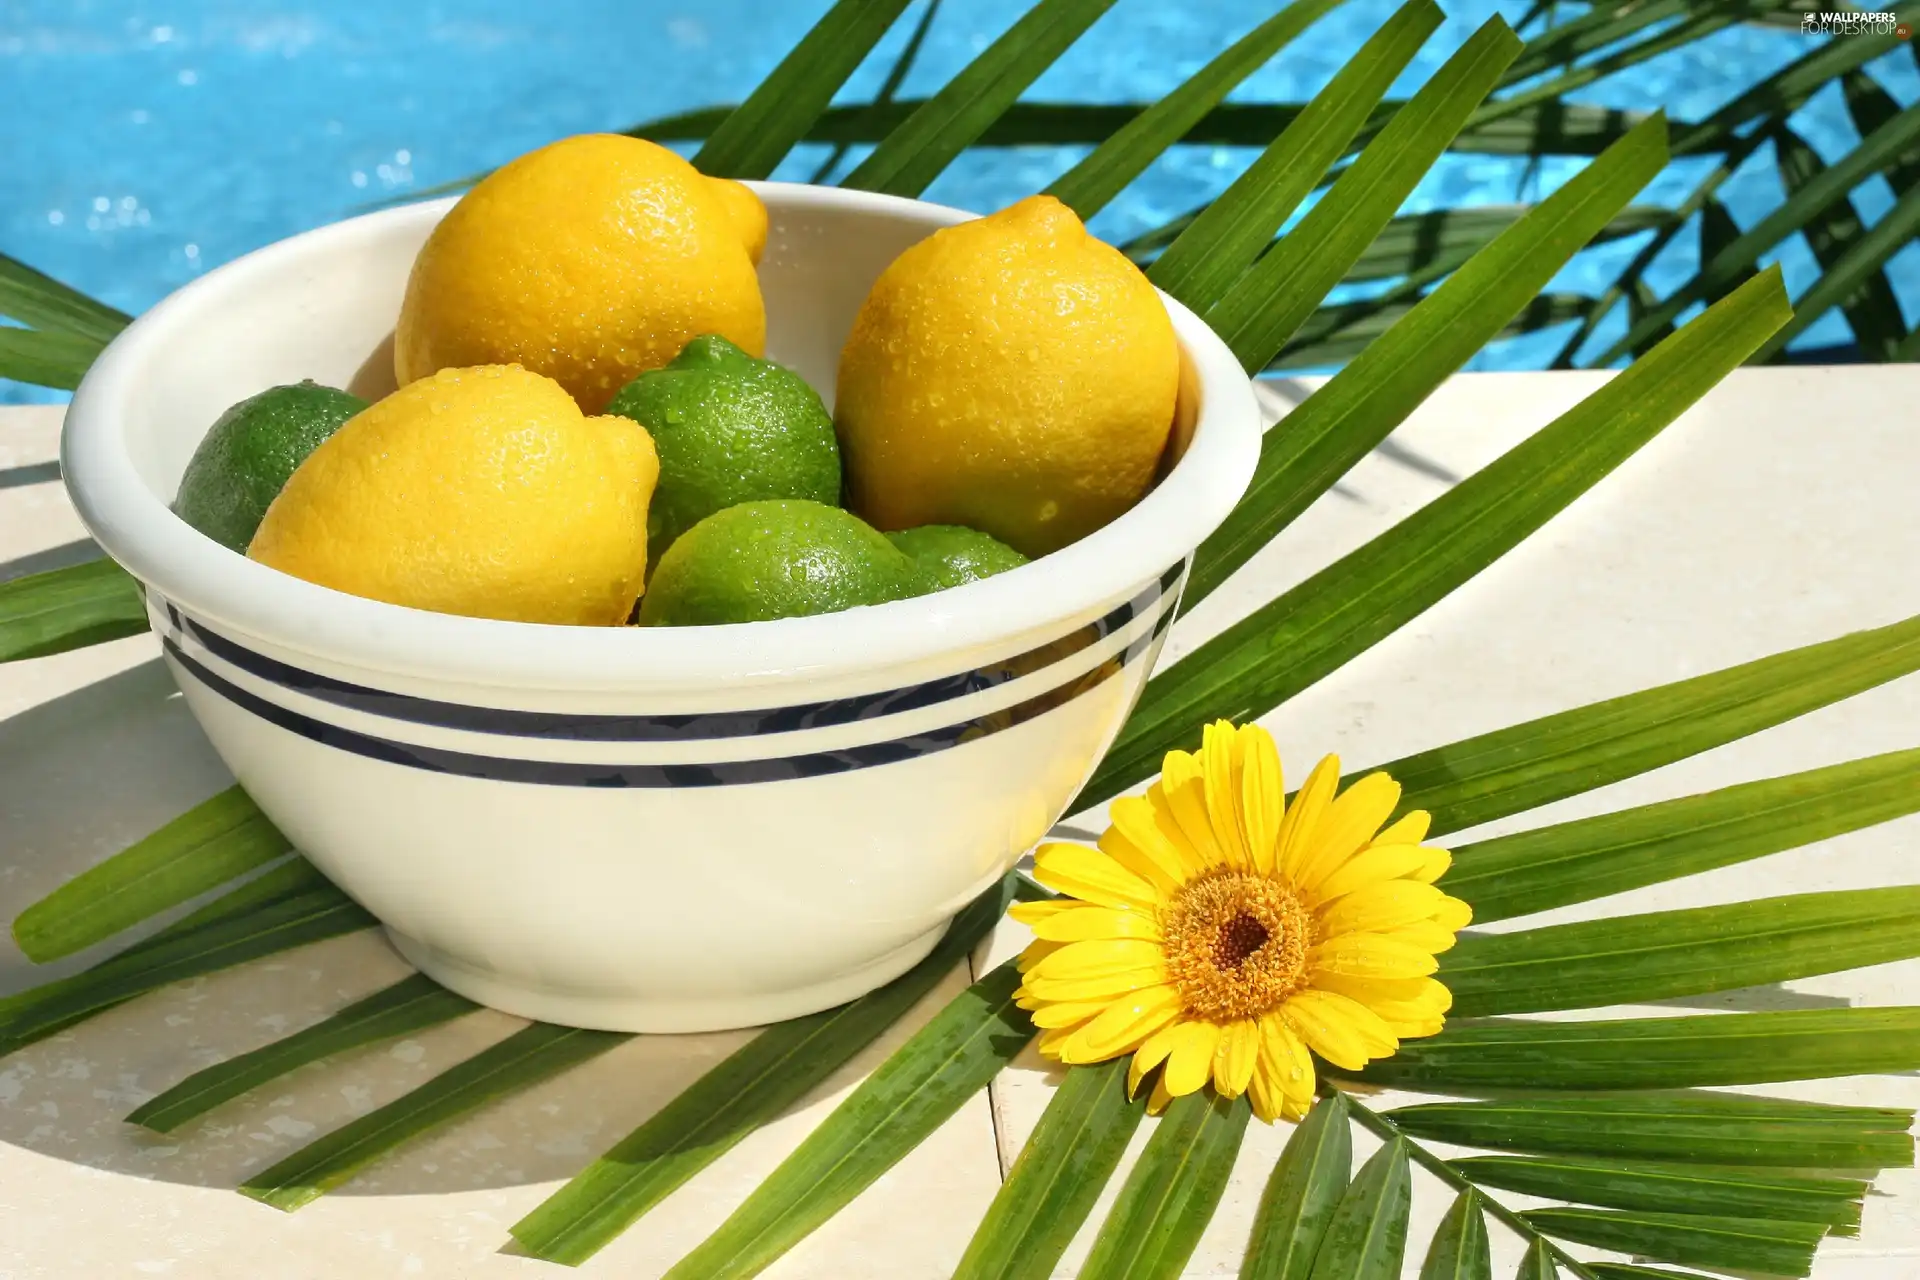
[150, 140]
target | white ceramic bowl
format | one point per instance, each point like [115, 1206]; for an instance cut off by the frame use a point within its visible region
[641, 830]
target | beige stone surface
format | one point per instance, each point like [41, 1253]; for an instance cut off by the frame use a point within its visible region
[1777, 513]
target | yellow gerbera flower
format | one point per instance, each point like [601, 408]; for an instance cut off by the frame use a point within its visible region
[1222, 933]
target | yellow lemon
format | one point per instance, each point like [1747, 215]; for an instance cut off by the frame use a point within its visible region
[590, 260]
[483, 492]
[1011, 374]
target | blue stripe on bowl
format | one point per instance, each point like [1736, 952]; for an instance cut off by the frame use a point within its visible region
[591, 727]
[718, 774]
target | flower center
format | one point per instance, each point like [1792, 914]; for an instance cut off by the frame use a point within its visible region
[1236, 944]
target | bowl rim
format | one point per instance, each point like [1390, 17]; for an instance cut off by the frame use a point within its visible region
[139, 530]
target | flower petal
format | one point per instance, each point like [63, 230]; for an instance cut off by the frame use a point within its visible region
[1088, 923]
[1369, 867]
[1152, 1052]
[1454, 914]
[1092, 876]
[1368, 955]
[1097, 957]
[1425, 992]
[1032, 913]
[1158, 1100]
[1411, 1007]
[1183, 789]
[1103, 987]
[1428, 935]
[1262, 795]
[1303, 816]
[1048, 1015]
[1264, 1092]
[1137, 841]
[1435, 866]
[1410, 828]
[1381, 907]
[1220, 778]
[1190, 1065]
[1050, 1041]
[1348, 827]
[1344, 1032]
[1234, 1057]
[1035, 952]
[1124, 1025]
[1292, 1065]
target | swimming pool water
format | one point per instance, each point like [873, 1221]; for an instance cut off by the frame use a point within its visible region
[149, 140]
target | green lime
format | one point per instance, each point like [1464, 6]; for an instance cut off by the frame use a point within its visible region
[782, 558]
[946, 555]
[247, 456]
[729, 429]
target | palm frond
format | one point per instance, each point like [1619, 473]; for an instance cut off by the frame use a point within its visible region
[749, 140]
[212, 843]
[1052, 1186]
[1301, 1195]
[409, 1005]
[71, 608]
[1223, 239]
[1637, 959]
[1171, 1191]
[1588, 858]
[758, 1082]
[525, 1058]
[926, 142]
[1126, 152]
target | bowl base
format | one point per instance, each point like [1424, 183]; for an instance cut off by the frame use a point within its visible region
[600, 1011]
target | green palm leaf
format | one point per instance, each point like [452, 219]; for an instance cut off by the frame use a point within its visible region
[1225, 237]
[1871, 107]
[1367, 1238]
[749, 140]
[1854, 268]
[1264, 308]
[291, 922]
[946, 1062]
[1346, 608]
[295, 877]
[1636, 959]
[1459, 1249]
[1590, 858]
[1873, 311]
[1554, 128]
[212, 843]
[1707, 1128]
[410, 1005]
[70, 608]
[1053, 1184]
[1366, 400]
[755, 1084]
[1658, 1053]
[524, 1058]
[1508, 771]
[925, 143]
[41, 302]
[1748, 1244]
[1735, 1193]
[46, 357]
[1815, 197]
[1301, 1195]
[1783, 92]
[1337, 333]
[1171, 1192]
[1538, 1264]
[1126, 152]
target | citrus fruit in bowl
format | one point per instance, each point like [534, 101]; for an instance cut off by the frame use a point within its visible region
[644, 828]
